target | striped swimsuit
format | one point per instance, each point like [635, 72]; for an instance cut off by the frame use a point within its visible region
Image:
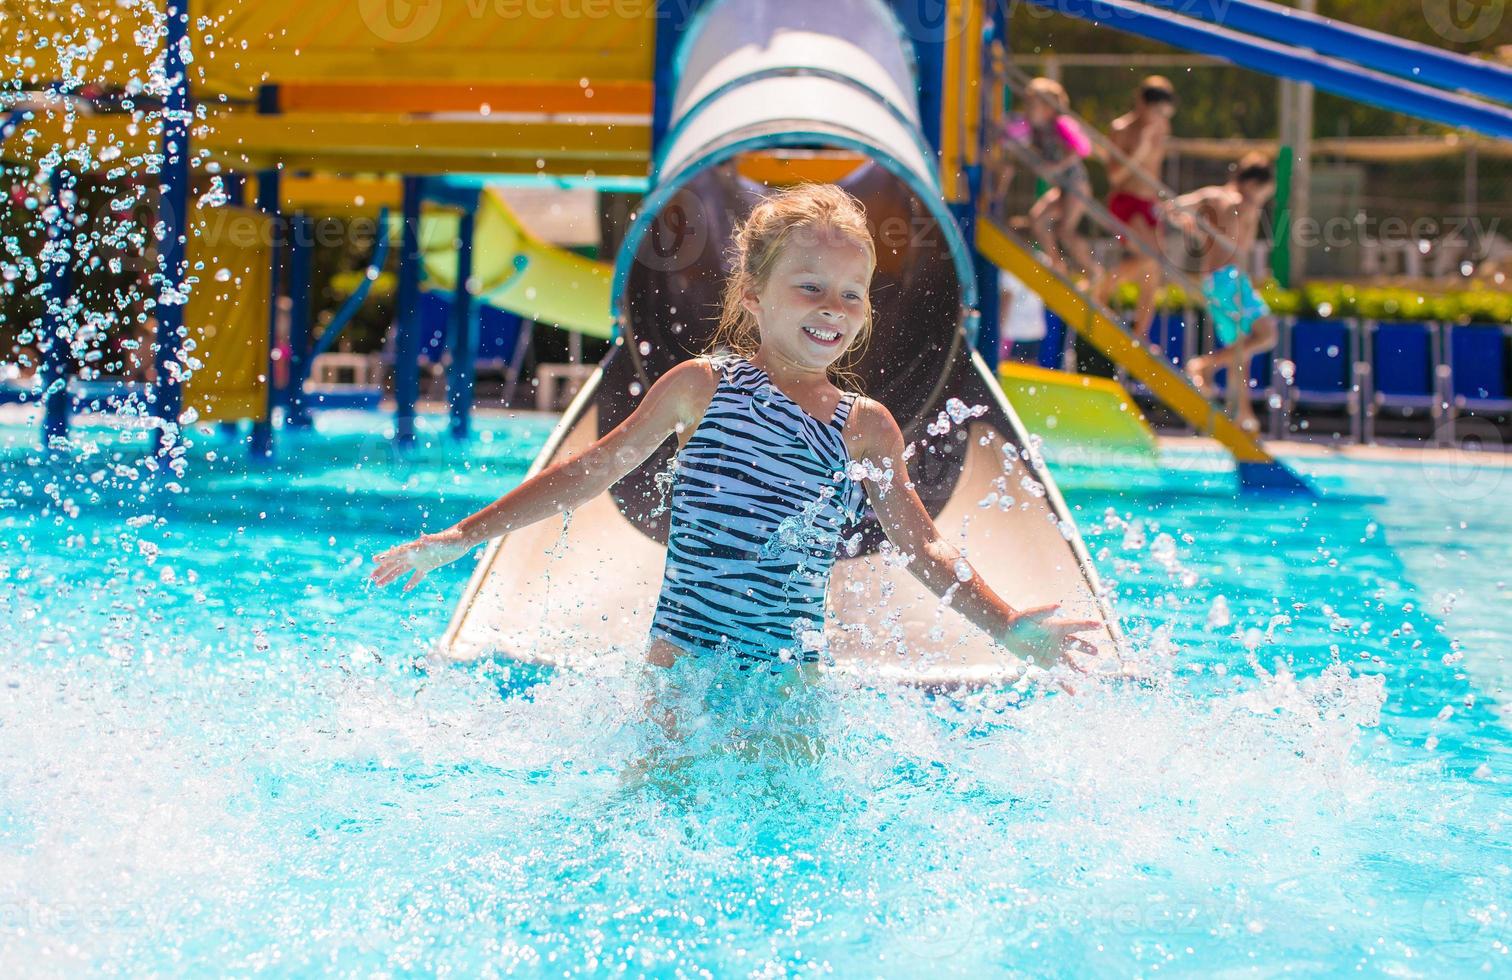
[761, 497]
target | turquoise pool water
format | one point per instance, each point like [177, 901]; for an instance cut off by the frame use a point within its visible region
[216, 755]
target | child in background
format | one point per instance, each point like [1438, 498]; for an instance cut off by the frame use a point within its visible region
[1133, 192]
[1241, 320]
[1061, 146]
[764, 480]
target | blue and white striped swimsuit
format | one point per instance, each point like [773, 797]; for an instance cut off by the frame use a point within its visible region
[761, 496]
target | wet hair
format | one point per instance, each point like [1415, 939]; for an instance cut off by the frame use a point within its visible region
[1053, 93]
[1156, 88]
[1254, 168]
[799, 215]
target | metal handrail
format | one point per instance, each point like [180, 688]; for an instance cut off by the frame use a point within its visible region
[1103, 216]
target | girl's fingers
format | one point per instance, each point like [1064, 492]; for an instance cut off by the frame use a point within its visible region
[414, 580]
[390, 570]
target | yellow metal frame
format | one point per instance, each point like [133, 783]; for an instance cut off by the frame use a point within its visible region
[960, 98]
[345, 143]
[231, 250]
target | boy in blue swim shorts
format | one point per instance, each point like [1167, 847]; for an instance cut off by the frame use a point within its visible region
[1232, 303]
[1241, 320]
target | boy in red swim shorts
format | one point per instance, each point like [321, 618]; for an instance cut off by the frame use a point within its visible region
[1133, 189]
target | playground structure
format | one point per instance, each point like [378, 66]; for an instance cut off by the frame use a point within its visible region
[700, 105]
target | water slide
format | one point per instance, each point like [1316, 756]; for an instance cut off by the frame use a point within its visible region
[1077, 415]
[805, 79]
[516, 271]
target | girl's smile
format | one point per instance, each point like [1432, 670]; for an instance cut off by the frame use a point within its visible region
[813, 303]
[826, 338]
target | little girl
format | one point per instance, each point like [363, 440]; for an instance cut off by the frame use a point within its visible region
[1061, 145]
[765, 479]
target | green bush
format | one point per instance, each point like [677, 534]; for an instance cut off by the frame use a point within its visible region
[1335, 299]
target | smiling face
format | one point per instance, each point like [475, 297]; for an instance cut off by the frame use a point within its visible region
[813, 305]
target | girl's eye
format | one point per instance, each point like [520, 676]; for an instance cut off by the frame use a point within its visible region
[810, 287]
[853, 297]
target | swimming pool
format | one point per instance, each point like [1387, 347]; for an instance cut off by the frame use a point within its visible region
[215, 754]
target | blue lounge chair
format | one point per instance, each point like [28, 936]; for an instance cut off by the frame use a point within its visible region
[1405, 375]
[1477, 372]
[1053, 348]
[1261, 368]
[1169, 331]
[1325, 361]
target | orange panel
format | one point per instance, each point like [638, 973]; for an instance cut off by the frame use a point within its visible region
[607, 98]
[779, 169]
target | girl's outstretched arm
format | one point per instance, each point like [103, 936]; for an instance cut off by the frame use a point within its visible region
[1035, 633]
[678, 398]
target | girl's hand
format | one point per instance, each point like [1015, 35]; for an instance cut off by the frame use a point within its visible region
[1037, 635]
[427, 552]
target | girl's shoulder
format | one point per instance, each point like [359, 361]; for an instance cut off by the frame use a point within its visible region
[869, 426]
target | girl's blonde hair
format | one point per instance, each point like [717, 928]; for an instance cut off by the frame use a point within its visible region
[1053, 93]
[804, 212]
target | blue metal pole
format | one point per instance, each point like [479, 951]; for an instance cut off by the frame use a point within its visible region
[301, 269]
[236, 194]
[55, 326]
[671, 17]
[172, 214]
[925, 22]
[989, 294]
[462, 374]
[407, 326]
[268, 202]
